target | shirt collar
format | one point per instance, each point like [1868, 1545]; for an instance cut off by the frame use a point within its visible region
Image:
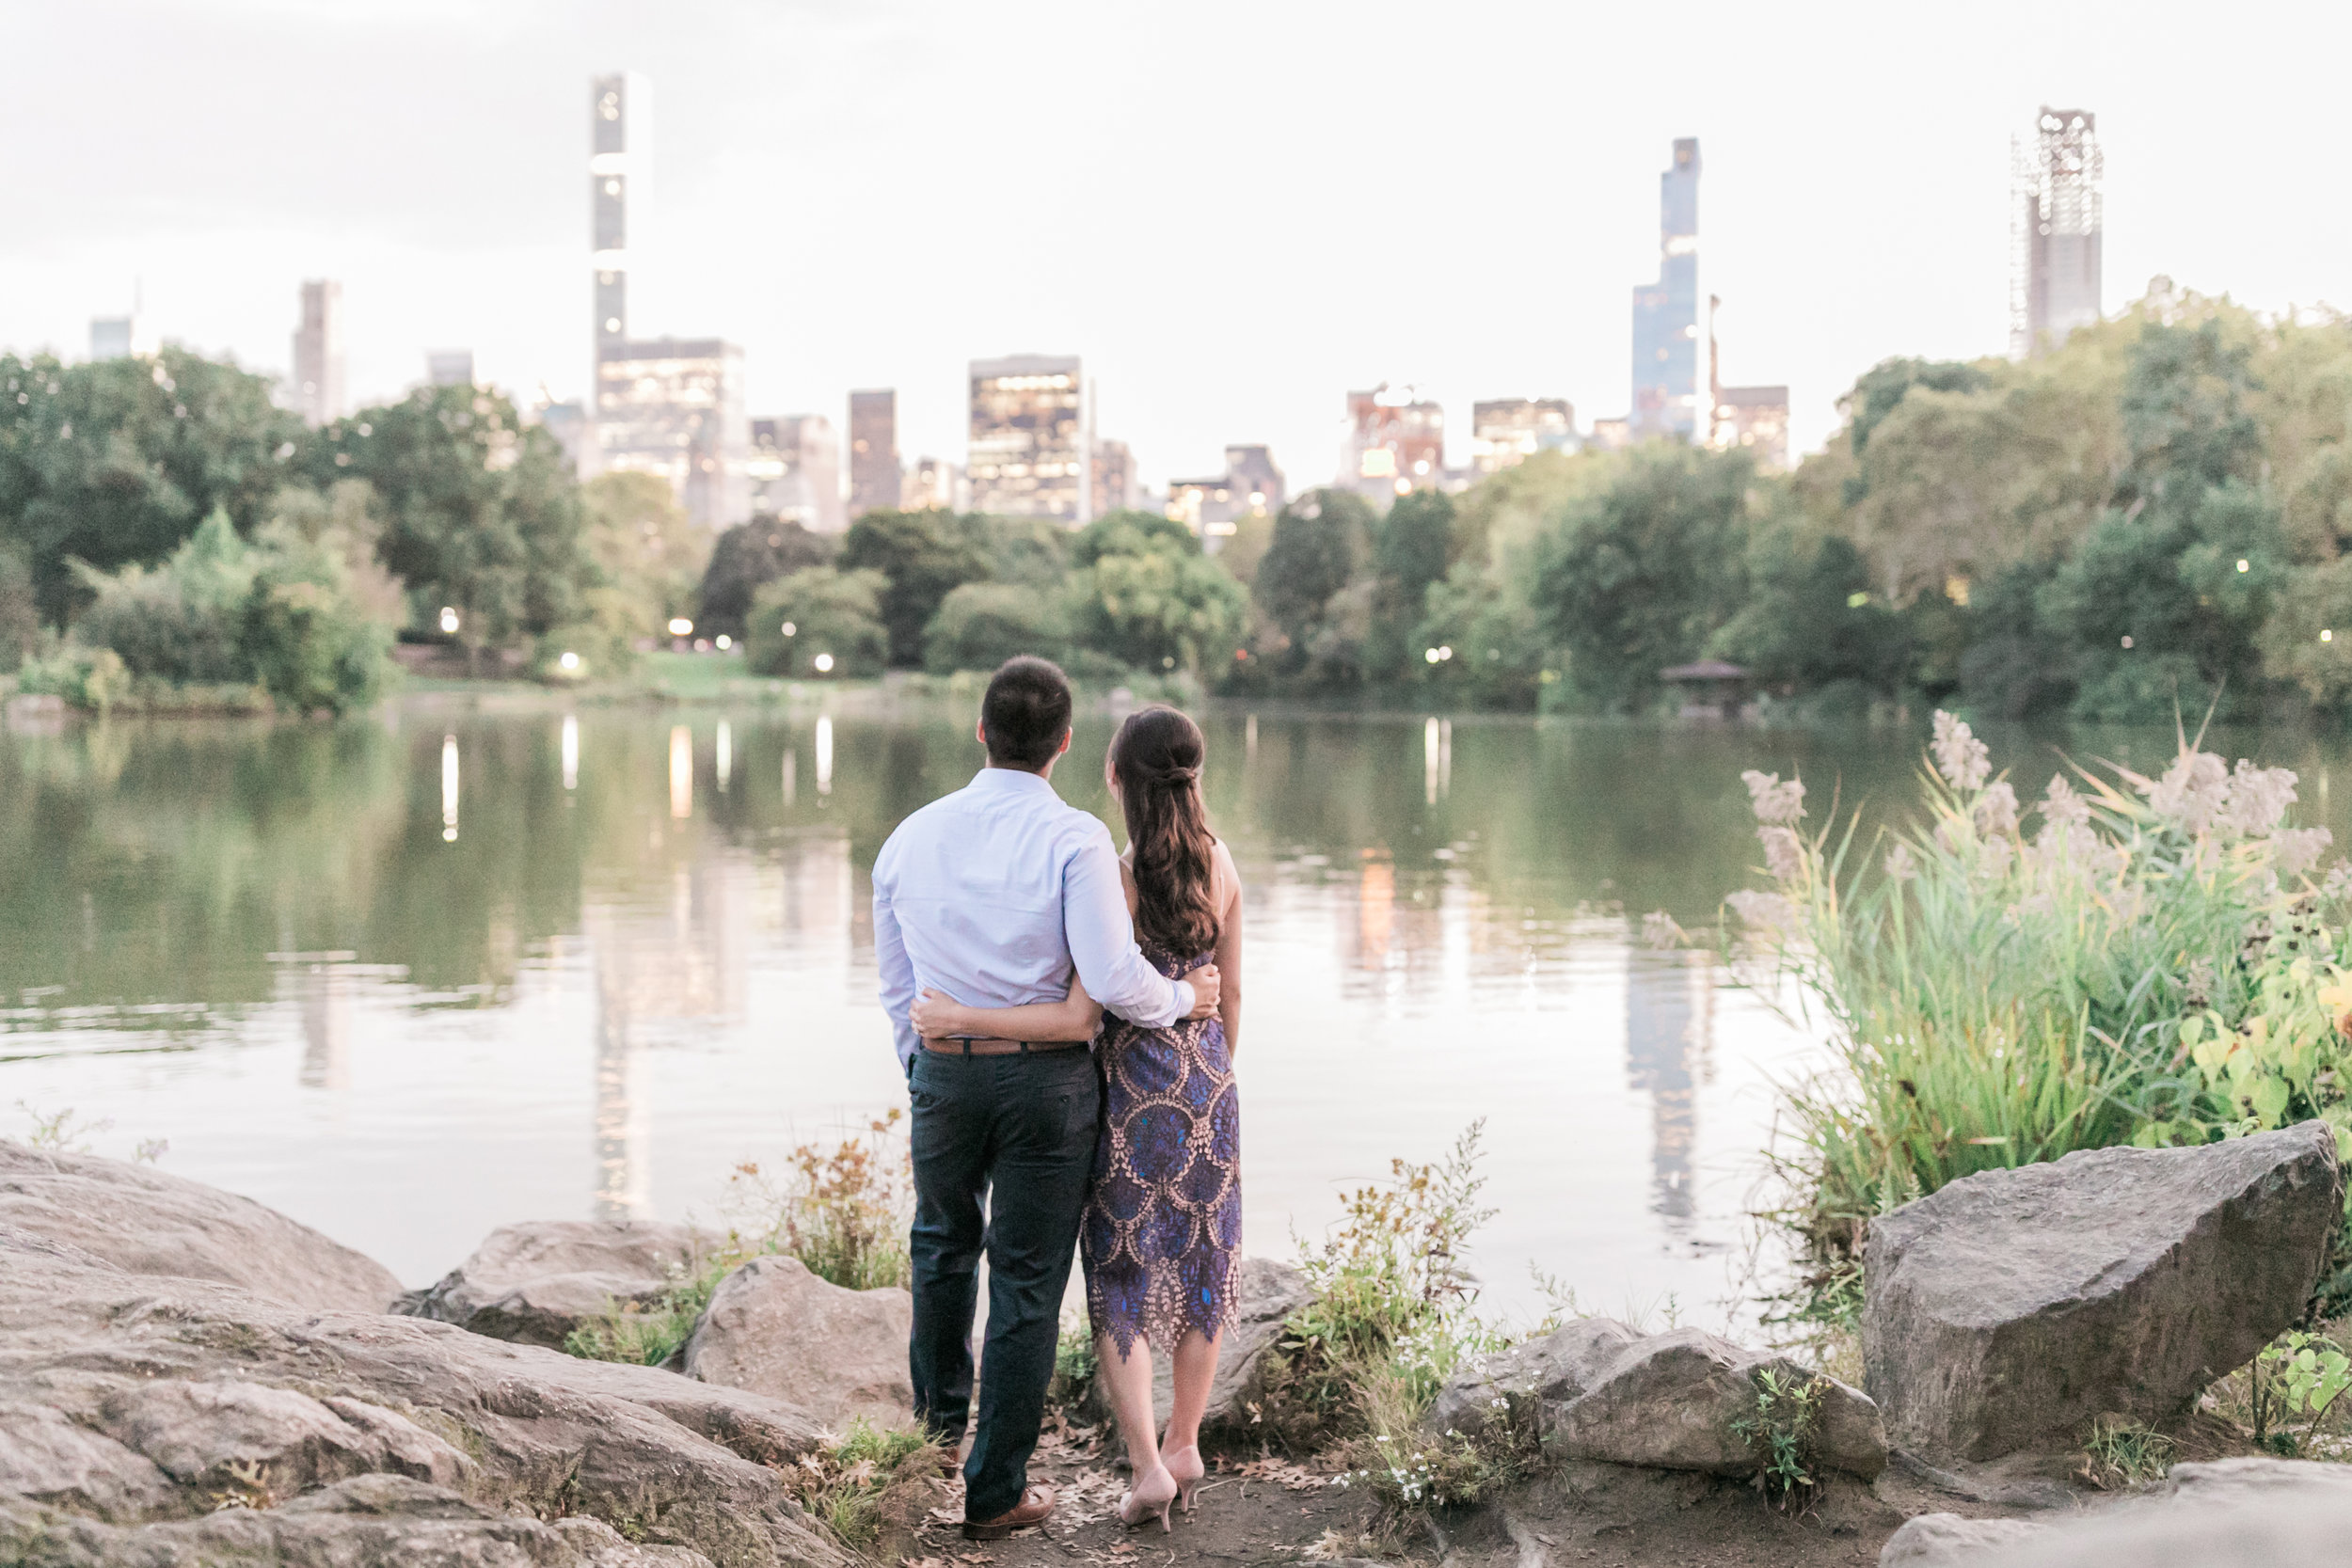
[1011, 781]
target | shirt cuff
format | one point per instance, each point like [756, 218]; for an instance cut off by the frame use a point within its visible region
[1185, 1000]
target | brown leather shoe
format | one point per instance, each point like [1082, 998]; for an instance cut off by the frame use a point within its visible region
[1035, 1503]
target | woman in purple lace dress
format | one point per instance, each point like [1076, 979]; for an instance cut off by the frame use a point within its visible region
[1161, 1231]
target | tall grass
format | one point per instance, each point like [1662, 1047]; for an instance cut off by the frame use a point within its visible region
[1995, 996]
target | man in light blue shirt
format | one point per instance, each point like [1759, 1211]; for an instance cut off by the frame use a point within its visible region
[994, 896]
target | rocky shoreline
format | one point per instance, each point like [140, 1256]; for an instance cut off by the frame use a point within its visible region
[189, 1378]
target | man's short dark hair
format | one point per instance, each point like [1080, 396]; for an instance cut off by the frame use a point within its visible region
[1025, 713]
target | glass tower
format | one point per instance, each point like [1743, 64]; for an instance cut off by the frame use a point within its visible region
[1666, 313]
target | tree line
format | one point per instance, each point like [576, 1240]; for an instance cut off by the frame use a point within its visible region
[2149, 519]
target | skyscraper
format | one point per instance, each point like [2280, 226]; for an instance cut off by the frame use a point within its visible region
[1506, 432]
[1212, 508]
[318, 354]
[448, 367]
[1666, 313]
[1027, 454]
[1112, 487]
[2057, 225]
[795, 471]
[873, 452]
[620, 165]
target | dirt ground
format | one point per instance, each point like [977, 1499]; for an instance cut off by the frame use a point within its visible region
[1270, 1511]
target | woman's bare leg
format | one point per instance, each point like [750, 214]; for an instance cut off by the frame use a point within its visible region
[1195, 1369]
[1129, 1383]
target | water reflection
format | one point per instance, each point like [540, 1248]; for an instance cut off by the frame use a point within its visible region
[253, 940]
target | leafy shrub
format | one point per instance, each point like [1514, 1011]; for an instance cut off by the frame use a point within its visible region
[1783, 1431]
[1075, 1367]
[844, 1213]
[831, 613]
[981, 624]
[1997, 1000]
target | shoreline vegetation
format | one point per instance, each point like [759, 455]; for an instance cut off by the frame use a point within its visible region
[2156, 513]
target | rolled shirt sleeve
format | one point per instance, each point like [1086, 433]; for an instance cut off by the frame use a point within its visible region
[1102, 940]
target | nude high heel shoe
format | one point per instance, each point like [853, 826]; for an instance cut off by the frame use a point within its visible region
[1184, 1464]
[1149, 1500]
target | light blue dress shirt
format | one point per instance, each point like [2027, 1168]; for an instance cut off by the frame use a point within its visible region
[993, 894]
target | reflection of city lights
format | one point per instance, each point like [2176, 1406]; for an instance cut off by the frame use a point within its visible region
[823, 663]
[726, 755]
[449, 786]
[681, 773]
[569, 661]
[681, 626]
[824, 755]
[571, 751]
[449, 621]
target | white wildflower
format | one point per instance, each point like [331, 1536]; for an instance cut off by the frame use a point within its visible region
[1900, 864]
[1959, 757]
[1993, 858]
[1774, 801]
[2295, 850]
[2191, 791]
[1784, 853]
[1996, 810]
[2258, 798]
[1767, 912]
[2061, 807]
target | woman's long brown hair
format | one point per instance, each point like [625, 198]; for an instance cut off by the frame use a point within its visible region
[1156, 756]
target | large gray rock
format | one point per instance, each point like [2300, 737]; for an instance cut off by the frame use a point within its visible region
[1673, 1401]
[534, 1283]
[1531, 1377]
[145, 1221]
[2234, 1513]
[1266, 1293]
[134, 1401]
[2010, 1310]
[1946, 1539]
[776, 1329]
[374, 1521]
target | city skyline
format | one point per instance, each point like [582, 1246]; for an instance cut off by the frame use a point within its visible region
[386, 191]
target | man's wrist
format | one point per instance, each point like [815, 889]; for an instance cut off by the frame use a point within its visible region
[1187, 999]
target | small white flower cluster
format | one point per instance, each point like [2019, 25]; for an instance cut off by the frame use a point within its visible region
[1959, 757]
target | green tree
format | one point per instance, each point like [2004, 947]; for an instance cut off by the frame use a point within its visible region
[1636, 578]
[1163, 607]
[116, 462]
[1320, 541]
[745, 559]
[1412, 547]
[649, 553]
[831, 613]
[1494, 645]
[981, 625]
[923, 557]
[1809, 621]
[481, 514]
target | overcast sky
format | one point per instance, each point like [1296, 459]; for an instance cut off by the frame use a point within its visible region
[1234, 211]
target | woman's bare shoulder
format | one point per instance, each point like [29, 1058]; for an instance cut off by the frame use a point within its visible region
[1228, 874]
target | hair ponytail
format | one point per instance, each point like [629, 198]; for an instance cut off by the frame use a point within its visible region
[1156, 756]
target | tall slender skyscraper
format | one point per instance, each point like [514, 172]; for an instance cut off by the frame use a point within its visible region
[873, 452]
[1666, 313]
[620, 165]
[318, 354]
[2057, 227]
[1027, 457]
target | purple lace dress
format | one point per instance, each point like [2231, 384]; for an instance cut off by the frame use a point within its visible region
[1163, 1215]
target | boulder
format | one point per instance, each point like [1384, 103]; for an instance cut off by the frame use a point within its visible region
[1535, 1376]
[534, 1283]
[1673, 1401]
[144, 1220]
[776, 1329]
[376, 1521]
[2233, 1514]
[1946, 1539]
[2011, 1308]
[132, 1401]
[1266, 1293]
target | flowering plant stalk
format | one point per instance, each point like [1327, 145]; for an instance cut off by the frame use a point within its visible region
[1996, 996]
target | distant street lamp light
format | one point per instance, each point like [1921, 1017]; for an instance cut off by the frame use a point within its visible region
[569, 661]
[449, 621]
[789, 629]
[681, 626]
[823, 663]
[725, 641]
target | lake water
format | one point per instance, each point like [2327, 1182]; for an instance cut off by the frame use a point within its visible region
[413, 977]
